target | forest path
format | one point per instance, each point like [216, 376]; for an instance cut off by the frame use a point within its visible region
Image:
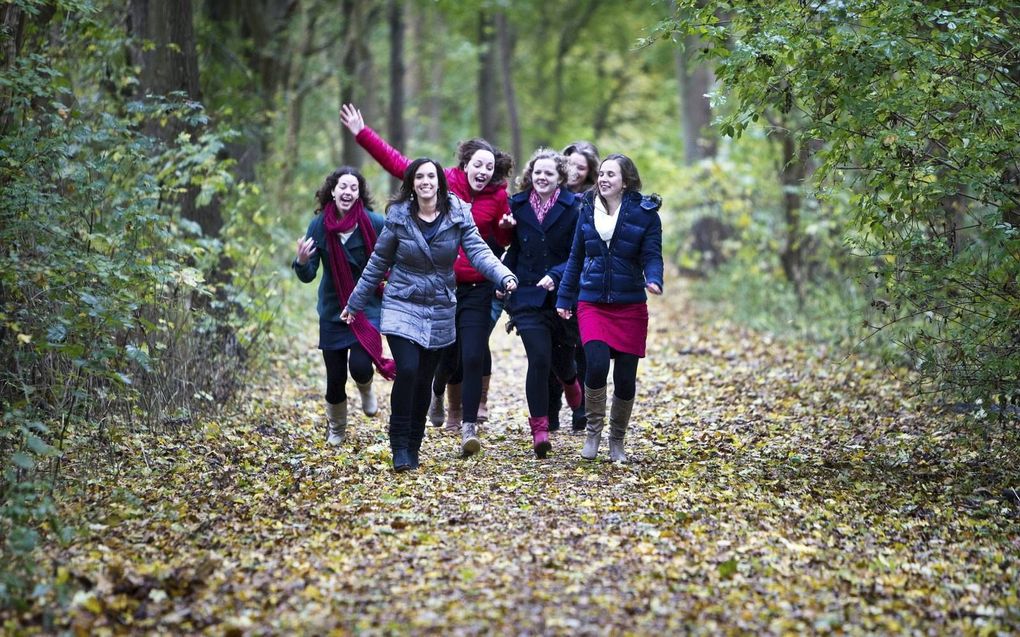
[771, 488]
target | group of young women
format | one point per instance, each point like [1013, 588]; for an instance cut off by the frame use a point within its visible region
[582, 246]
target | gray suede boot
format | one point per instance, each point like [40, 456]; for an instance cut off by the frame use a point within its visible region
[336, 418]
[595, 411]
[619, 418]
[369, 404]
[437, 409]
[469, 443]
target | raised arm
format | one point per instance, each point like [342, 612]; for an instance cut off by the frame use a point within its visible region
[391, 159]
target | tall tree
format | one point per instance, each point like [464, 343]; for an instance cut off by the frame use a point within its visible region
[488, 122]
[506, 41]
[397, 131]
[357, 77]
[164, 51]
[695, 80]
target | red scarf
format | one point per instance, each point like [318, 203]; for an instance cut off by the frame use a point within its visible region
[343, 281]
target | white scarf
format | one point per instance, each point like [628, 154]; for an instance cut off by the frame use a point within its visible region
[605, 221]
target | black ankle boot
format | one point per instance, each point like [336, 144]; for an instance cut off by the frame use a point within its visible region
[401, 460]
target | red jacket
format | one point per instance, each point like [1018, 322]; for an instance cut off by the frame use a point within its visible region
[487, 206]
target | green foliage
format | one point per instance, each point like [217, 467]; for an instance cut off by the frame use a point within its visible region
[913, 107]
[115, 311]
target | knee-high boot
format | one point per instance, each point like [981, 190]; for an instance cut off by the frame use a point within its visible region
[595, 412]
[619, 418]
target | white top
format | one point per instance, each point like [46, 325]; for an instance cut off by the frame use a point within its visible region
[605, 221]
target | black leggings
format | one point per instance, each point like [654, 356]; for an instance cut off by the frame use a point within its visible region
[597, 355]
[336, 371]
[545, 356]
[471, 351]
[409, 398]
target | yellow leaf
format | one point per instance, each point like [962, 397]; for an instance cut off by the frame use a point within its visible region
[25, 338]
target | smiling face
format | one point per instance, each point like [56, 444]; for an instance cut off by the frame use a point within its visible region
[426, 182]
[579, 171]
[544, 177]
[346, 192]
[479, 169]
[610, 180]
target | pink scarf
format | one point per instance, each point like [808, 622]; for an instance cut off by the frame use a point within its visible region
[541, 210]
[343, 280]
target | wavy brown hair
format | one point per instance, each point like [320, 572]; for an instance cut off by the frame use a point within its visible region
[562, 166]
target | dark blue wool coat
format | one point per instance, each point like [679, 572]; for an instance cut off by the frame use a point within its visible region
[540, 249]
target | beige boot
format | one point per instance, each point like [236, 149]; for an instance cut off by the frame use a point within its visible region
[454, 408]
[595, 411]
[369, 404]
[619, 418]
[483, 405]
[336, 419]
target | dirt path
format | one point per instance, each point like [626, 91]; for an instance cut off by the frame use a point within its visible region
[770, 490]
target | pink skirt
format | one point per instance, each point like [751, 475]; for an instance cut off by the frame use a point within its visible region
[623, 326]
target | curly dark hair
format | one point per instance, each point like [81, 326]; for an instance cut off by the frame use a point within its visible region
[503, 165]
[562, 166]
[406, 192]
[324, 194]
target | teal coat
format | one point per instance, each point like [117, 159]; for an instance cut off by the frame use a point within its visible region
[334, 333]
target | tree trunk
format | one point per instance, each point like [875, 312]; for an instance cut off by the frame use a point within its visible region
[616, 81]
[694, 83]
[506, 53]
[568, 37]
[487, 73]
[171, 65]
[357, 78]
[298, 89]
[12, 23]
[398, 134]
[791, 176]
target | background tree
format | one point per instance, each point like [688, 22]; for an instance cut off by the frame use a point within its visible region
[913, 101]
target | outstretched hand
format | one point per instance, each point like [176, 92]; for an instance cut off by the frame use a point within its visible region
[351, 117]
[305, 249]
[507, 221]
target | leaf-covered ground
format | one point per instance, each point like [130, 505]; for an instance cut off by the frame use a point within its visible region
[772, 488]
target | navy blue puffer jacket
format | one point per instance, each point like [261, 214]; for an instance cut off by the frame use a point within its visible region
[617, 273]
